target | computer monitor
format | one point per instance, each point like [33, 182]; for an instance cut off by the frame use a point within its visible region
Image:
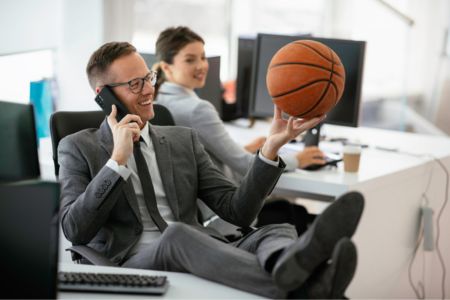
[149, 58]
[346, 112]
[246, 48]
[19, 152]
[212, 91]
[29, 237]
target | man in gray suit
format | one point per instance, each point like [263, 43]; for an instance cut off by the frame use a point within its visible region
[150, 221]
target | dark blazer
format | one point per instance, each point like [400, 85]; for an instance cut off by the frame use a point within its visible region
[100, 209]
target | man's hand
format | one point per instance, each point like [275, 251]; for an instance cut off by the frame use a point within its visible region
[282, 131]
[309, 156]
[124, 134]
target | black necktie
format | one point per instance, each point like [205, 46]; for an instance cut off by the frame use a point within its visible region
[147, 187]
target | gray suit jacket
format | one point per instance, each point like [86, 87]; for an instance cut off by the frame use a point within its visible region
[100, 209]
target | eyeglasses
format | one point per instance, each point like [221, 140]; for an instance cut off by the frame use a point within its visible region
[137, 84]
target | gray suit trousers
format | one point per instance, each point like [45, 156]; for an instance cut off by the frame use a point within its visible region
[182, 248]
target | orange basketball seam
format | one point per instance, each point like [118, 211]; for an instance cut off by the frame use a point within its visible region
[307, 64]
[301, 87]
[313, 49]
[331, 75]
[320, 99]
[324, 91]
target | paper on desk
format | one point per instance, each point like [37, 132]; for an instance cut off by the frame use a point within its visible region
[292, 147]
[328, 147]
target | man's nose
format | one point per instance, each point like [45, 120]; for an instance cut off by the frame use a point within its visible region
[148, 88]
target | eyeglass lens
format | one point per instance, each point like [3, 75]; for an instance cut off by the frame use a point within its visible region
[136, 85]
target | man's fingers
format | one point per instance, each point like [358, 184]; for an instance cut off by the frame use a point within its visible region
[131, 118]
[112, 116]
[276, 112]
[311, 122]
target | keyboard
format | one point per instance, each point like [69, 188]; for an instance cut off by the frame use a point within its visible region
[112, 283]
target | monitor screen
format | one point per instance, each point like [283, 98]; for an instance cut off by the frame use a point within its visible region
[212, 91]
[149, 58]
[244, 74]
[346, 112]
[18, 153]
[29, 236]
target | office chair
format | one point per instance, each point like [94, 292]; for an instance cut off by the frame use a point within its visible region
[63, 123]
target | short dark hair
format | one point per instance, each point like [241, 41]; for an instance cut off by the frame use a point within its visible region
[103, 57]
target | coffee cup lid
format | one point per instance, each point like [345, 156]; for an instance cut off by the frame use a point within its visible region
[352, 149]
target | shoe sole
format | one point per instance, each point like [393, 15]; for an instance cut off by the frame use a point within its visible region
[339, 220]
[345, 258]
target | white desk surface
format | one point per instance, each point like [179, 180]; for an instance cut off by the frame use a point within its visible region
[410, 150]
[182, 286]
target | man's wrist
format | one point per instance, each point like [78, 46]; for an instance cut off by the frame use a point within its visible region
[123, 171]
[269, 153]
[119, 160]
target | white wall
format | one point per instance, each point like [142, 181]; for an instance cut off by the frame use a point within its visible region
[85, 26]
[28, 25]
[81, 34]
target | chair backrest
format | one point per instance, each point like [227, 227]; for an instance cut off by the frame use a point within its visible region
[63, 123]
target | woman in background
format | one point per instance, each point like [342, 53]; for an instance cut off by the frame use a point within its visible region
[182, 68]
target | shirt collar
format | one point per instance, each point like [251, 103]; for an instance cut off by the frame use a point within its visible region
[145, 134]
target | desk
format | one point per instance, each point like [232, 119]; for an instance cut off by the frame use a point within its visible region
[182, 286]
[393, 183]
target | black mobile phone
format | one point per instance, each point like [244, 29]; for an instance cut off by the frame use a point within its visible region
[106, 98]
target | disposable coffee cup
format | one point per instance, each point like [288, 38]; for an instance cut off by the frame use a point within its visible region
[352, 156]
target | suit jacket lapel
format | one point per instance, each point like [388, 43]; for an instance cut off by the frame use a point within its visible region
[107, 143]
[163, 159]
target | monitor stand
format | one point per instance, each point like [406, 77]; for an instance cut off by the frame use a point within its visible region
[312, 136]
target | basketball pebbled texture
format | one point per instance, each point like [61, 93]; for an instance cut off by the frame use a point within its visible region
[305, 79]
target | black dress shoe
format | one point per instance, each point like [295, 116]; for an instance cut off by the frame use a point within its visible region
[332, 278]
[297, 262]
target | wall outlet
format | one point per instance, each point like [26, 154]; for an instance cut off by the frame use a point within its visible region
[428, 237]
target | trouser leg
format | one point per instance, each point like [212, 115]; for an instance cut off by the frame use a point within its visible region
[182, 248]
[267, 241]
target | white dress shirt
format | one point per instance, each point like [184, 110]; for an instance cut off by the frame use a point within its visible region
[151, 231]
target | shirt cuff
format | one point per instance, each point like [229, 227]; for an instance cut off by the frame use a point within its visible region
[121, 170]
[291, 161]
[269, 161]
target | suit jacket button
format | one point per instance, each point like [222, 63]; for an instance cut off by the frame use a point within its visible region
[108, 182]
[138, 231]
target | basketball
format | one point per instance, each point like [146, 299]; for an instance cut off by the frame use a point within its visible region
[305, 79]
